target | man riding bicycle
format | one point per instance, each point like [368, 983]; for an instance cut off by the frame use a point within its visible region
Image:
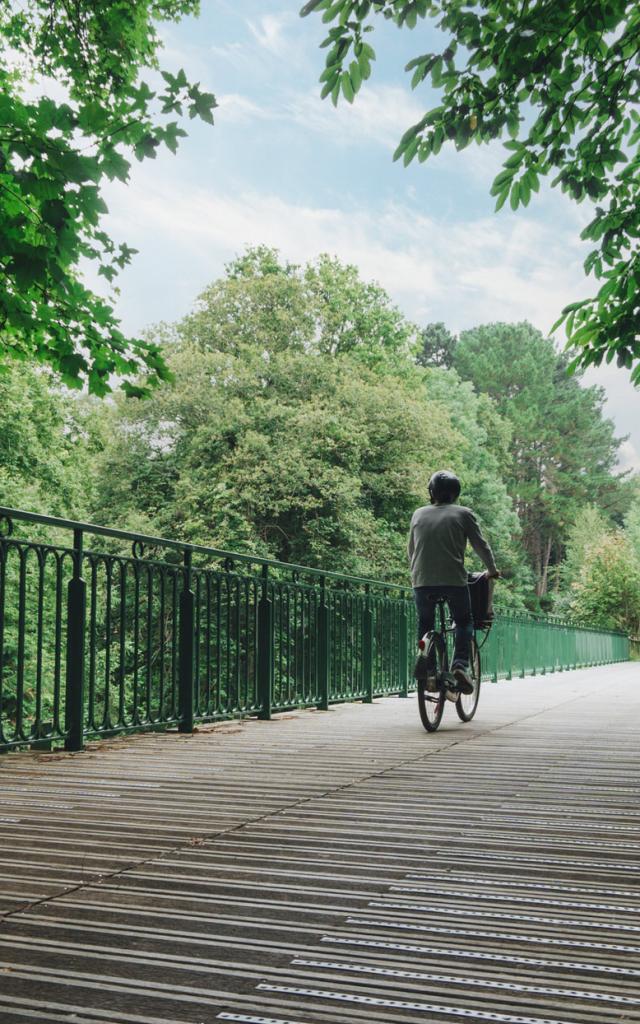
[438, 538]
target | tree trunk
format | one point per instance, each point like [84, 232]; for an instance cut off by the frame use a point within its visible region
[544, 574]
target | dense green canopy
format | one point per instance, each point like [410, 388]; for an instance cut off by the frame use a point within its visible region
[74, 111]
[298, 426]
[563, 451]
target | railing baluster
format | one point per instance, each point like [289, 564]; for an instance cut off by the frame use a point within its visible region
[76, 612]
[403, 652]
[122, 654]
[322, 648]
[186, 642]
[367, 647]
[266, 637]
[136, 642]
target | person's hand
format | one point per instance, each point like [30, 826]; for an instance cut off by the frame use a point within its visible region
[497, 575]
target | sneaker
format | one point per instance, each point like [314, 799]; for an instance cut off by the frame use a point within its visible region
[451, 686]
[462, 679]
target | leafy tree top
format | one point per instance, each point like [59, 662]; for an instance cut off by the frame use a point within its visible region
[562, 82]
[54, 156]
[323, 306]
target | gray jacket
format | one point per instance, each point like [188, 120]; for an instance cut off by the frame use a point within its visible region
[437, 542]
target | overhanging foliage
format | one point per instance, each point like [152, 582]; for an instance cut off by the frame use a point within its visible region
[56, 153]
[561, 81]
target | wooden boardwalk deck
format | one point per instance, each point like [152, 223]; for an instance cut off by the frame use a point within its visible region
[339, 866]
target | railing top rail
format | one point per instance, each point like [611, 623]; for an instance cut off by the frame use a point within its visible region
[257, 560]
[176, 545]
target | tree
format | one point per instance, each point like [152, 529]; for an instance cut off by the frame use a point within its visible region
[562, 451]
[299, 427]
[606, 591]
[632, 520]
[302, 457]
[323, 307]
[54, 156]
[562, 82]
[438, 346]
[483, 466]
[47, 443]
[45, 458]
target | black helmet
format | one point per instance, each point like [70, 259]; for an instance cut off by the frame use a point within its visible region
[444, 486]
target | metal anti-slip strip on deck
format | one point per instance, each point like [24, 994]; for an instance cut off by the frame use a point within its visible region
[105, 632]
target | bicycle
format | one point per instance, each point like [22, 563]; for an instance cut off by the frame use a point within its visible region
[431, 702]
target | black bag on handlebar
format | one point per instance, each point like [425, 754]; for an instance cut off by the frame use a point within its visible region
[481, 591]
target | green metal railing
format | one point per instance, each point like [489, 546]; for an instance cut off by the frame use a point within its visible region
[105, 632]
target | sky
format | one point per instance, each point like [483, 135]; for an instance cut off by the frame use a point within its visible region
[283, 168]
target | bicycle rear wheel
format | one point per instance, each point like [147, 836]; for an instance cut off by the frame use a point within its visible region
[467, 703]
[431, 704]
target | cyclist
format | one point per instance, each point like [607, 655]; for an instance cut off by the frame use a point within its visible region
[437, 541]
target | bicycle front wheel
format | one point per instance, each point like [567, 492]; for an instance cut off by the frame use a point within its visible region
[431, 703]
[467, 703]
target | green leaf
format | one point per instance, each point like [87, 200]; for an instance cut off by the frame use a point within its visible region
[558, 323]
[171, 134]
[501, 180]
[114, 165]
[333, 10]
[574, 305]
[513, 125]
[502, 198]
[329, 86]
[27, 269]
[418, 61]
[54, 212]
[418, 76]
[410, 151]
[311, 6]
[354, 76]
[203, 105]
[573, 365]
[365, 66]
[347, 88]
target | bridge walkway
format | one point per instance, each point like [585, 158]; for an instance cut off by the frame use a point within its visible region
[335, 867]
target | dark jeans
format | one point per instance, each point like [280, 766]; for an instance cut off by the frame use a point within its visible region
[459, 603]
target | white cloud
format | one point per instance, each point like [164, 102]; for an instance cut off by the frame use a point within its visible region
[465, 272]
[380, 113]
[269, 31]
[622, 405]
[240, 109]
[235, 53]
[629, 457]
[273, 35]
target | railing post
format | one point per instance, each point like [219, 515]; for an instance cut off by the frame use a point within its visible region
[186, 648]
[367, 648]
[76, 614]
[266, 639]
[403, 652]
[324, 660]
